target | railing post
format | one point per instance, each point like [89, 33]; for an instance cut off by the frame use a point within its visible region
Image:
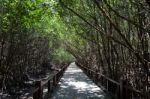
[57, 78]
[39, 93]
[49, 85]
[87, 72]
[59, 75]
[123, 93]
[107, 85]
[121, 90]
[54, 81]
[103, 79]
[90, 74]
[97, 78]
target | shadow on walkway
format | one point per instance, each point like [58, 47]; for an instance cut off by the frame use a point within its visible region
[76, 85]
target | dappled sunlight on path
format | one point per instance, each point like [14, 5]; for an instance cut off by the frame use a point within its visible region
[76, 85]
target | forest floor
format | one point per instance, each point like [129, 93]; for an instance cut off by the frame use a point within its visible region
[76, 85]
[17, 92]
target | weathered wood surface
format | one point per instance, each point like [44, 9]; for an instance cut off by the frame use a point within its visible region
[76, 85]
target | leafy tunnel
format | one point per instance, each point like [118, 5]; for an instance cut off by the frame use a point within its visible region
[111, 37]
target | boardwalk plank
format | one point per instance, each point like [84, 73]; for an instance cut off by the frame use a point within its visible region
[76, 85]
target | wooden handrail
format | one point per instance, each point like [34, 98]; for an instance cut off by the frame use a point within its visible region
[101, 75]
[38, 90]
[119, 85]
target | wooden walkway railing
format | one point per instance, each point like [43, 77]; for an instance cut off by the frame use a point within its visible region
[50, 83]
[118, 89]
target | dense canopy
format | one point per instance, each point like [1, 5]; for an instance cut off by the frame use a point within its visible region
[109, 36]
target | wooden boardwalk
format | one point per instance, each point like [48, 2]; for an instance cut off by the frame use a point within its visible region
[76, 85]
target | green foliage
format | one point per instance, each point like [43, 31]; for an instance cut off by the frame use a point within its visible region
[60, 55]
